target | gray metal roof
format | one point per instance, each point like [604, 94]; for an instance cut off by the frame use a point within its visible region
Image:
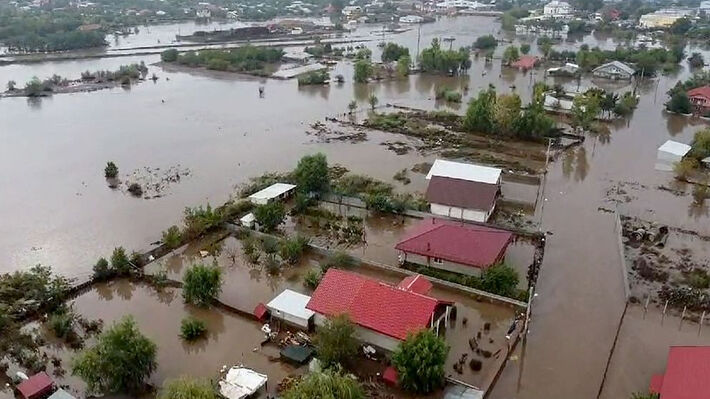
[617, 64]
[61, 394]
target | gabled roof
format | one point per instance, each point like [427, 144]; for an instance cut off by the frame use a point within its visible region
[525, 62]
[687, 374]
[372, 304]
[464, 171]
[617, 64]
[416, 283]
[292, 303]
[466, 244]
[703, 91]
[272, 191]
[461, 193]
[36, 386]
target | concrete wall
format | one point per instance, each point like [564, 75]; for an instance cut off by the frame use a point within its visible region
[366, 336]
[475, 215]
[445, 265]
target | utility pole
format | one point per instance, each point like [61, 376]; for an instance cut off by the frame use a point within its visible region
[419, 38]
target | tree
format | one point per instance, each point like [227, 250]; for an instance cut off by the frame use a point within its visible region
[510, 55]
[11, 85]
[685, 168]
[680, 26]
[608, 102]
[679, 103]
[506, 111]
[480, 115]
[192, 328]
[700, 146]
[545, 47]
[312, 174]
[363, 71]
[187, 388]
[291, 249]
[352, 106]
[585, 109]
[393, 52]
[696, 60]
[373, 100]
[270, 216]
[111, 170]
[34, 87]
[335, 341]
[202, 284]
[403, 65]
[486, 42]
[120, 262]
[524, 48]
[170, 55]
[172, 237]
[419, 361]
[102, 270]
[327, 384]
[120, 361]
[500, 279]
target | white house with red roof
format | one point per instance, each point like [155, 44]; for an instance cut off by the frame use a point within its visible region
[700, 98]
[454, 246]
[383, 314]
[687, 374]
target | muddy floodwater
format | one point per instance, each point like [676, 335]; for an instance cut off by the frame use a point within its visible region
[57, 209]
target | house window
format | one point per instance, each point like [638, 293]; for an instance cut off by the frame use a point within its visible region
[438, 261]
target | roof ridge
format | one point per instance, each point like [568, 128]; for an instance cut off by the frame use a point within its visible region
[394, 288]
[422, 233]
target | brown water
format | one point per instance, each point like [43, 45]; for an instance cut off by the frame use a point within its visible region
[57, 209]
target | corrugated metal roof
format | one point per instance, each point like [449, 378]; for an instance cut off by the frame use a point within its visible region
[273, 191]
[675, 148]
[617, 64]
[464, 171]
[461, 193]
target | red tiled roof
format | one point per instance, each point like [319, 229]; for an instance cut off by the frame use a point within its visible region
[260, 311]
[703, 91]
[461, 193]
[36, 386]
[687, 374]
[525, 62]
[416, 283]
[466, 244]
[372, 304]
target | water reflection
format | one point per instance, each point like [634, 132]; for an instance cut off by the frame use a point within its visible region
[575, 162]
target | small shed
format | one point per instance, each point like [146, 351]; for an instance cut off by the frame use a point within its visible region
[248, 220]
[240, 383]
[61, 394]
[290, 306]
[298, 354]
[670, 153]
[274, 192]
[390, 376]
[261, 312]
[35, 387]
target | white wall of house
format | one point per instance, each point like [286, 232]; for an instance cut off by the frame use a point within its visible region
[476, 215]
[290, 319]
[366, 335]
[443, 264]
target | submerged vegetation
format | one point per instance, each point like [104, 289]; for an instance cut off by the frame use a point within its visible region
[247, 59]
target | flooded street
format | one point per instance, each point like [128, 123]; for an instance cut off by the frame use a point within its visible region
[58, 210]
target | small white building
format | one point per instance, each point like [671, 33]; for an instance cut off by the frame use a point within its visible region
[557, 9]
[411, 19]
[669, 154]
[241, 383]
[275, 192]
[290, 306]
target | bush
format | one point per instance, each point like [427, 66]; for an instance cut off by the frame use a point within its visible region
[311, 174]
[314, 78]
[102, 270]
[61, 323]
[679, 103]
[272, 265]
[111, 170]
[135, 189]
[202, 284]
[172, 237]
[501, 280]
[393, 52]
[291, 249]
[199, 220]
[363, 71]
[338, 259]
[270, 216]
[335, 341]
[170, 55]
[685, 168]
[328, 384]
[192, 329]
[312, 278]
[187, 388]
[420, 360]
[486, 42]
[119, 262]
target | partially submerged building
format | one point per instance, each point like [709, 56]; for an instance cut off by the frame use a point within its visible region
[700, 98]
[663, 18]
[463, 191]
[557, 9]
[568, 69]
[525, 62]
[37, 386]
[383, 314]
[241, 383]
[669, 154]
[615, 70]
[290, 306]
[454, 246]
[687, 374]
[275, 192]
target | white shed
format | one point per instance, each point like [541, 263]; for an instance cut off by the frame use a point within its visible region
[276, 191]
[248, 220]
[464, 171]
[240, 383]
[290, 306]
[670, 153]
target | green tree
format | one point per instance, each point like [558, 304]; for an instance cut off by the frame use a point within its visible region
[120, 262]
[192, 328]
[111, 170]
[335, 341]
[700, 146]
[419, 361]
[500, 279]
[270, 216]
[102, 270]
[524, 48]
[34, 87]
[533, 123]
[187, 388]
[510, 55]
[363, 71]
[696, 60]
[172, 237]
[327, 384]
[679, 103]
[585, 109]
[403, 65]
[120, 361]
[170, 55]
[506, 111]
[681, 26]
[647, 395]
[545, 48]
[291, 249]
[312, 174]
[486, 42]
[480, 115]
[393, 52]
[202, 284]
[373, 100]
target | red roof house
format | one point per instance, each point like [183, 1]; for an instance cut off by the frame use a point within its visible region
[687, 374]
[454, 246]
[700, 98]
[525, 62]
[37, 386]
[383, 313]
[416, 283]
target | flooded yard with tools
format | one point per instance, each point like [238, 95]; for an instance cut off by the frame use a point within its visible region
[57, 208]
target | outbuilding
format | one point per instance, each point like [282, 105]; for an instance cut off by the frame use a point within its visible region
[669, 154]
[61, 394]
[275, 192]
[615, 70]
[700, 98]
[290, 306]
[36, 387]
